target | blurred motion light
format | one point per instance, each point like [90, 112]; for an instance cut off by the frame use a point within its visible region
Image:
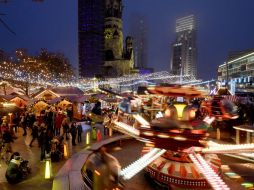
[192, 113]
[167, 112]
[48, 169]
[180, 108]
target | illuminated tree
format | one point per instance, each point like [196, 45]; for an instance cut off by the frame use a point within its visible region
[43, 69]
[58, 66]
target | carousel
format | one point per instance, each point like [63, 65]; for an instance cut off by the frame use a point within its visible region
[177, 152]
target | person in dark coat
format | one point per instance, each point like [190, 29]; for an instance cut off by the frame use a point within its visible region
[35, 133]
[49, 119]
[7, 140]
[97, 108]
[73, 133]
[24, 123]
[65, 126]
[16, 122]
[80, 130]
[43, 142]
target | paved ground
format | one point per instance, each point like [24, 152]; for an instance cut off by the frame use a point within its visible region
[36, 179]
[128, 152]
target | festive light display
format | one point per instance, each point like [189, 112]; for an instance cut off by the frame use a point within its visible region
[142, 121]
[244, 154]
[141, 163]
[36, 71]
[214, 180]
[228, 148]
[127, 128]
[41, 70]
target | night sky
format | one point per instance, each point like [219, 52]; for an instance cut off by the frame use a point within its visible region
[223, 26]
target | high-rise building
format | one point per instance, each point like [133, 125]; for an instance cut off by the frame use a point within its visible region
[91, 37]
[184, 51]
[138, 29]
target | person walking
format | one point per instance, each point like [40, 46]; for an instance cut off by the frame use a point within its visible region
[25, 123]
[58, 122]
[80, 130]
[73, 133]
[43, 142]
[65, 126]
[16, 122]
[35, 133]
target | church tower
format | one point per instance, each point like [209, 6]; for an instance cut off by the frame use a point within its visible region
[119, 58]
[113, 29]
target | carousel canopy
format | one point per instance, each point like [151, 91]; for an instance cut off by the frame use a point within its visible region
[175, 90]
[223, 91]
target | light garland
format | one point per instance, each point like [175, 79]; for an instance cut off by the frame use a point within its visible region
[214, 180]
[141, 163]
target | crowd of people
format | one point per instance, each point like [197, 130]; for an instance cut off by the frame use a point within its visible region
[49, 129]
[50, 126]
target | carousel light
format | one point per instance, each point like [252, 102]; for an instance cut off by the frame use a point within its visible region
[213, 179]
[142, 121]
[146, 133]
[167, 112]
[192, 113]
[8, 104]
[159, 115]
[97, 173]
[127, 128]
[162, 135]
[244, 154]
[179, 138]
[180, 108]
[208, 119]
[229, 148]
[141, 163]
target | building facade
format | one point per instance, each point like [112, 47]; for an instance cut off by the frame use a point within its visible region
[119, 56]
[91, 37]
[239, 68]
[184, 50]
[102, 50]
[139, 31]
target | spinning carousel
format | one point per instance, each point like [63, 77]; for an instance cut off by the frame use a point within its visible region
[177, 152]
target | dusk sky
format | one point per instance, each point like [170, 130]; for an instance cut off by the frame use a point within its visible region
[223, 26]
